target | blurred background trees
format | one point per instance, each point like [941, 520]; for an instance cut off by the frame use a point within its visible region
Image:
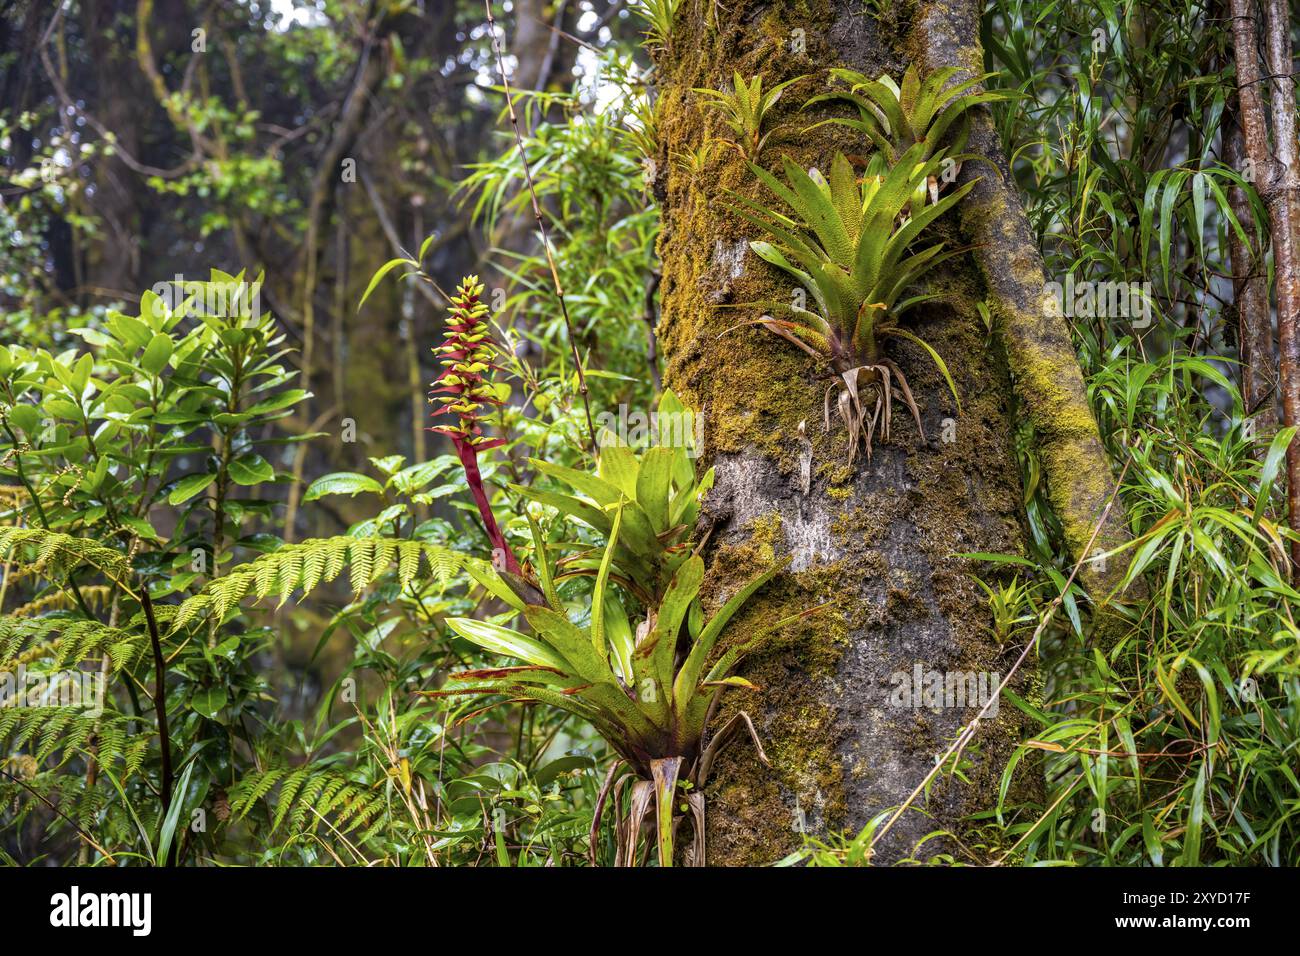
[306, 141]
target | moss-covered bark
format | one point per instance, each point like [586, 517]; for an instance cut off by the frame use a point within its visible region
[1029, 320]
[878, 539]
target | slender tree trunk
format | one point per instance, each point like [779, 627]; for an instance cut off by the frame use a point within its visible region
[1277, 175]
[1250, 296]
[1029, 320]
[881, 540]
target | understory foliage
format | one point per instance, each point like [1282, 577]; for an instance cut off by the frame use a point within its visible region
[513, 659]
[1169, 740]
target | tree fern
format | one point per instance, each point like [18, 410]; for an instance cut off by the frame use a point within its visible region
[55, 554]
[305, 565]
[306, 796]
[68, 731]
[64, 641]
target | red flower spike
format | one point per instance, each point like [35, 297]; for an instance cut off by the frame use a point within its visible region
[463, 391]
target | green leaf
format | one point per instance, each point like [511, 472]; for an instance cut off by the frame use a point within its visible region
[598, 490]
[209, 701]
[619, 636]
[652, 485]
[142, 528]
[569, 505]
[383, 270]
[1191, 855]
[935, 357]
[342, 483]
[573, 644]
[545, 572]
[676, 602]
[251, 469]
[156, 354]
[502, 640]
[281, 400]
[168, 831]
[598, 593]
[26, 417]
[483, 573]
[1268, 473]
[689, 675]
[187, 488]
[618, 467]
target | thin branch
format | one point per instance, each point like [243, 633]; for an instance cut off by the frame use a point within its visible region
[160, 709]
[45, 800]
[106, 134]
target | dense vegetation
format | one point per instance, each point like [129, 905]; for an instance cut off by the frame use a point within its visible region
[260, 608]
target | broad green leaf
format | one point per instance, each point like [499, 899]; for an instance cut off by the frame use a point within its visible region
[187, 488]
[673, 608]
[652, 485]
[618, 466]
[342, 483]
[156, 354]
[570, 642]
[209, 701]
[502, 640]
[251, 469]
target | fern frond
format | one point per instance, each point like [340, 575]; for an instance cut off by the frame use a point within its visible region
[306, 565]
[55, 555]
[305, 797]
[66, 641]
[69, 731]
[96, 597]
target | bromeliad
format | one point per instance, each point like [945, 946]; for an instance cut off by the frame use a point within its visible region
[847, 243]
[649, 690]
[896, 117]
[637, 658]
[463, 390]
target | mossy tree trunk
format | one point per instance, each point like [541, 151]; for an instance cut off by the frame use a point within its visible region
[880, 539]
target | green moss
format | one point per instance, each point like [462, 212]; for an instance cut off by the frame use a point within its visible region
[787, 671]
[1048, 379]
[755, 390]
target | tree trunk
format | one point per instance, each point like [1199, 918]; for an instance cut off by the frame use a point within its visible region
[1250, 296]
[1031, 326]
[882, 539]
[1277, 177]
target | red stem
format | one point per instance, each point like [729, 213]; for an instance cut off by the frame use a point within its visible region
[469, 461]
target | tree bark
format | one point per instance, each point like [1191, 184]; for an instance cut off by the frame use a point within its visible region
[1250, 296]
[1277, 174]
[881, 540]
[1030, 323]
